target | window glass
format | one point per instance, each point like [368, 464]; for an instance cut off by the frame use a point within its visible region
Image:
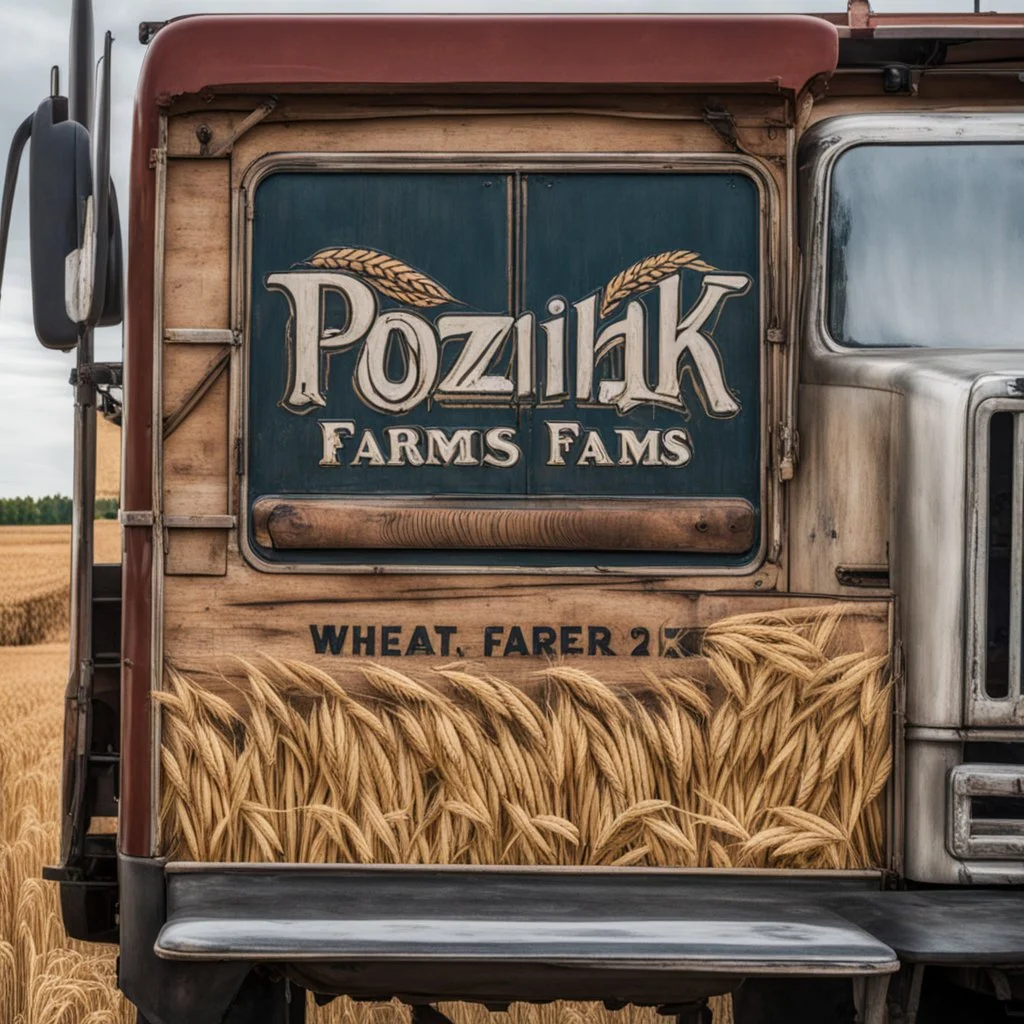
[926, 246]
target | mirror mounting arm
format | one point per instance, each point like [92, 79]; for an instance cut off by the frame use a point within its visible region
[21, 137]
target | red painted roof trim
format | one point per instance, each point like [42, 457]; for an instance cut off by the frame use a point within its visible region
[252, 52]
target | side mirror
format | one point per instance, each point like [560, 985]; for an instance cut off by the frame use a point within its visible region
[88, 269]
[60, 191]
[74, 227]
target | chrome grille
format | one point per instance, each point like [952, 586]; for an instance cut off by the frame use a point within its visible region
[996, 566]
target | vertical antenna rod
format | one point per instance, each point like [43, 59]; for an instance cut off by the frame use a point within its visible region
[81, 70]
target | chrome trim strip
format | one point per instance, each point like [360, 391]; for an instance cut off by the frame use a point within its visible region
[1003, 839]
[982, 709]
[1017, 557]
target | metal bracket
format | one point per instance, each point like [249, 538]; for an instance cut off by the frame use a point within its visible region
[206, 522]
[148, 31]
[225, 147]
[98, 375]
[213, 372]
[723, 124]
[135, 518]
[201, 336]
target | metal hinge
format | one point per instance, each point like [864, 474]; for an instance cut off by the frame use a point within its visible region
[897, 672]
[788, 450]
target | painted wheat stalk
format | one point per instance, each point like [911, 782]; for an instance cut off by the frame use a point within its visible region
[787, 768]
[646, 273]
[386, 273]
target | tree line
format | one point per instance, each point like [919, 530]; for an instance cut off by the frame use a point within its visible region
[53, 509]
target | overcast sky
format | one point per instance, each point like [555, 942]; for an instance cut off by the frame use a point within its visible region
[35, 398]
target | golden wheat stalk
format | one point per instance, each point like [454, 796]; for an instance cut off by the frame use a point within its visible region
[785, 767]
[646, 273]
[386, 273]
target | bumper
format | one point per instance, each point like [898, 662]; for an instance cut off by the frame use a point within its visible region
[497, 935]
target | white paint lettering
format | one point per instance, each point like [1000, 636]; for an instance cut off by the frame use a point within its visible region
[677, 447]
[368, 450]
[678, 338]
[594, 452]
[443, 450]
[636, 451]
[333, 432]
[561, 437]
[502, 451]
[419, 347]
[305, 292]
[468, 378]
[404, 446]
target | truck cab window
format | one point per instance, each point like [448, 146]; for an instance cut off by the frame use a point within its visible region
[926, 246]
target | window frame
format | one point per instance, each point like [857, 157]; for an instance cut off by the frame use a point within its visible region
[772, 277]
[821, 149]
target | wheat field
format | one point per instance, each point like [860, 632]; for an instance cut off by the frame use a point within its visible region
[35, 566]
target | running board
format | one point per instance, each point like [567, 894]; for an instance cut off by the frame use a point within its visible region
[507, 933]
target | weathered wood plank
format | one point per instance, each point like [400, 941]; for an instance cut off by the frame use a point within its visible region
[616, 628]
[196, 453]
[197, 253]
[192, 552]
[722, 526]
[494, 133]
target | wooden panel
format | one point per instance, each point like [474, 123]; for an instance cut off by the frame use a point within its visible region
[840, 499]
[512, 626]
[196, 453]
[198, 236]
[246, 611]
[721, 526]
[497, 133]
[473, 121]
[196, 553]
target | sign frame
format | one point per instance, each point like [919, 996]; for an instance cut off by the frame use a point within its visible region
[771, 311]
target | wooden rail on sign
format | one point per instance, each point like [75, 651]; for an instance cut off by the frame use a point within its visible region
[724, 526]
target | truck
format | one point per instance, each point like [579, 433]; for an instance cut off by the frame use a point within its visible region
[573, 512]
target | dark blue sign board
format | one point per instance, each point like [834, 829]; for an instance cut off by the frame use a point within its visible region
[505, 336]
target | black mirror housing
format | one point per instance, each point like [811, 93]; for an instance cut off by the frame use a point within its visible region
[113, 293]
[60, 180]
